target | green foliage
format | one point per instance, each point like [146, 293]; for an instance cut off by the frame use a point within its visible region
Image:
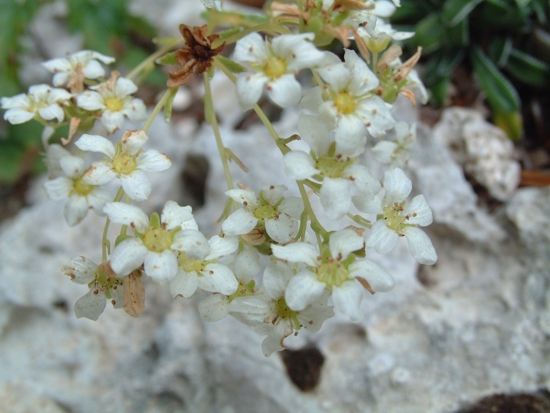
[505, 42]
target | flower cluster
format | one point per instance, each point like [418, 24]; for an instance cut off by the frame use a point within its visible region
[273, 265]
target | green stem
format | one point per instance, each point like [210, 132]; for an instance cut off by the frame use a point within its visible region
[105, 244]
[151, 59]
[267, 27]
[156, 110]
[212, 119]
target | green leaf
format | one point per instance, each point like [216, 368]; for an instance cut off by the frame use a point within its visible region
[511, 123]
[459, 35]
[167, 59]
[234, 67]
[169, 103]
[528, 69]
[11, 157]
[439, 91]
[455, 11]
[499, 50]
[430, 33]
[541, 10]
[502, 96]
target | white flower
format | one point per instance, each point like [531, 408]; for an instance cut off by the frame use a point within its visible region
[349, 103]
[336, 170]
[85, 62]
[335, 269]
[275, 64]
[268, 314]
[245, 267]
[377, 34]
[42, 102]
[126, 161]
[70, 184]
[213, 4]
[396, 152]
[198, 265]
[157, 242]
[113, 99]
[270, 210]
[398, 218]
[103, 285]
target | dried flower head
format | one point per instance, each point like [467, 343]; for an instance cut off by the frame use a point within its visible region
[195, 57]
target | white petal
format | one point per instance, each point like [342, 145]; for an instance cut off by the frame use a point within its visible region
[251, 48]
[193, 242]
[249, 89]
[59, 188]
[314, 315]
[299, 165]
[218, 278]
[112, 120]
[378, 279]
[362, 78]
[73, 166]
[17, 116]
[273, 193]
[99, 173]
[239, 222]
[126, 214]
[136, 185]
[274, 340]
[90, 100]
[350, 135]
[93, 70]
[221, 246]
[81, 270]
[57, 65]
[245, 197]
[418, 211]
[381, 238]
[316, 132]
[337, 76]
[117, 296]
[297, 51]
[297, 252]
[174, 215]
[18, 101]
[247, 265]
[363, 179]
[135, 110]
[293, 206]
[184, 284]
[368, 204]
[384, 150]
[97, 199]
[90, 305]
[281, 228]
[302, 290]
[52, 112]
[75, 210]
[133, 140]
[312, 99]
[213, 307]
[336, 197]
[376, 115]
[284, 91]
[161, 266]
[153, 160]
[396, 185]
[250, 310]
[276, 277]
[344, 242]
[128, 255]
[347, 300]
[124, 87]
[96, 143]
[420, 246]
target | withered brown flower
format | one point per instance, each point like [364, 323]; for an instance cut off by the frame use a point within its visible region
[195, 56]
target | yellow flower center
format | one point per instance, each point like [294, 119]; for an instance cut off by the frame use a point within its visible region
[332, 274]
[345, 103]
[81, 187]
[190, 264]
[392, 215]
[265, 212]
[333, 167]
[124, 164]
[157, 239]
[113, 104]
[275, 67]
[283, 310]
